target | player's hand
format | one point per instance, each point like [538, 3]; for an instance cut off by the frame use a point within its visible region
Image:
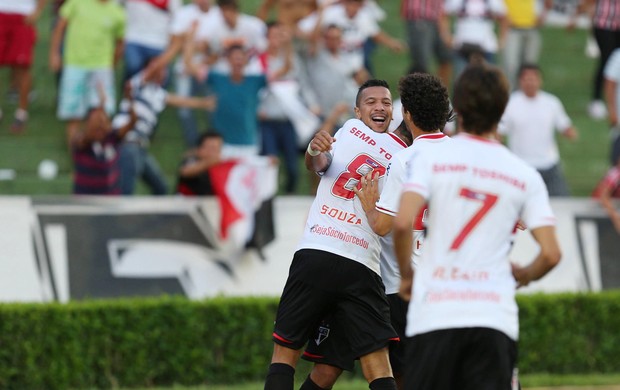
[406, 284]
[521, 275]
[322, 141]
[368, 191]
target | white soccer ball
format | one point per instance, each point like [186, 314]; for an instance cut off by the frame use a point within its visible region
[48, 169]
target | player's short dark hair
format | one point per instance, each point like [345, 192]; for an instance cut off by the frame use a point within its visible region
[425, 98]
[480, 97]
[234, 4]
[528, 66]
[368, 84]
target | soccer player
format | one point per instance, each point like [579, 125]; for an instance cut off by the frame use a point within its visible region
[463, 316]
[336, 266]
[427, 109]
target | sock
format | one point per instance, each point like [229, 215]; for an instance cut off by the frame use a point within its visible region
[387, 383]
[280, 377]
[310, 385]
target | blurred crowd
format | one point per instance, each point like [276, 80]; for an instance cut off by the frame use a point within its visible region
[248, 85]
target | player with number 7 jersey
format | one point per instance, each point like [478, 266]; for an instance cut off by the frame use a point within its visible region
[463, 313]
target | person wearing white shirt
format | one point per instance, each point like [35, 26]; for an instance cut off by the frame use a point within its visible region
[357, 23]
[530, 122]
[474, 29]
[189, 17]
[427, 110]
[147, 33]
[233, 28]
[336, 267]
[463, 320]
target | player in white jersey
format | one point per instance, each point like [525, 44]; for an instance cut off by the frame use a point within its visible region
[336, 266]
[463, 316]
[428, 108]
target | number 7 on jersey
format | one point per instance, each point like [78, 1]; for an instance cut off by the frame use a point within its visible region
[488, 201]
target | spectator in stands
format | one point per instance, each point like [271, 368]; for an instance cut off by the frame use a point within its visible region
[530, 121]
[95, 151]
[475, 22]
[234, 28]
[356, 24]
[378, 15]
[523, 40]
[93, 44]
[287, 12]
[428, 35]
[277, 131]
[606, 29]
[333, 77]
[150, 99]
[189, 17]
[237, 95]
[194, 170]
[148, 31]
[17, 39]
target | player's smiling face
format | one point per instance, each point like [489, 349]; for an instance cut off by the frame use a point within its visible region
[375, 108]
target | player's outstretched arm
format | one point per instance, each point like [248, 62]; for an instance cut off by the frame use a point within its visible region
[318, 157]
[410, 205]
[548, 257]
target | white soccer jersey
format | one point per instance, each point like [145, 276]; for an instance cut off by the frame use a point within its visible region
[249, 32]
[148, 22]
[530, 125]
[336, 221]
[476, 191]
[355, 31]
[390, 200]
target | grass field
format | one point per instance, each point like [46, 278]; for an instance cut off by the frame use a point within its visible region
[529, 382]
[568, 74]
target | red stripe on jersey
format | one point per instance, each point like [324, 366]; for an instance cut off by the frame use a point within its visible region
[277, 336]
[400, 141]
[418, 223]
[311, 355]
[432, 136]
[388, 211]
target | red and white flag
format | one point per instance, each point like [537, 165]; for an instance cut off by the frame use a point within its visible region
[242, 186]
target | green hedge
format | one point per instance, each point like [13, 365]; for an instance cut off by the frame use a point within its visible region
[164, 341]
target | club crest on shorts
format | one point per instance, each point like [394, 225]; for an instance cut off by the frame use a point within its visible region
[322, 335]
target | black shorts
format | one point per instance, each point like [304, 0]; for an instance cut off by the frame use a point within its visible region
[329, 344]
[463, 358]
[321, 284]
